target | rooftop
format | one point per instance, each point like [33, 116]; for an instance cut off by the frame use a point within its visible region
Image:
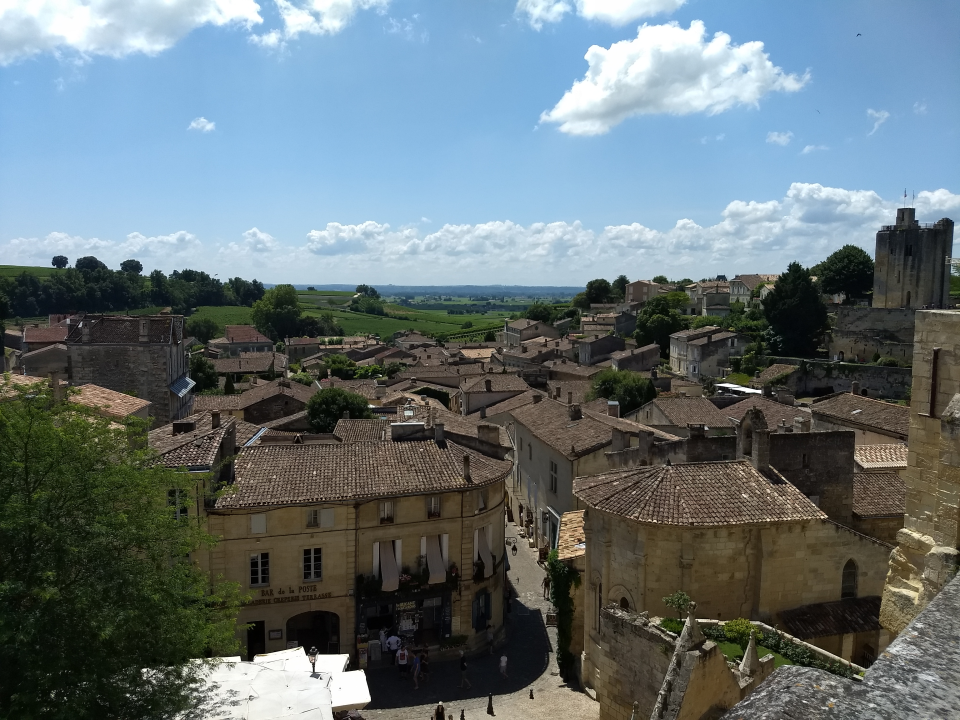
[570, 538]
[257, 363]
[244, 333]
[281, 386]
[682, 411]
[108, 402]
[876, 457]
[216, 402]
[701, 494]
[773, 412]
[115, 329]
[693, 333]
[45, 334]
[840, 617]
[508, 405]
[752, 281]
[846, 408]
[272, 475]
[878, 493]
[375, 430]
[773, 372]
[196, 448]
[499, 382]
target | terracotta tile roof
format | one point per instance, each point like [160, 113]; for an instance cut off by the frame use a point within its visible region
[109, 329]
[773, 412]
[108, 402]
[367, 387]
[523, 324]
[197, 448]
[714, 338]
[570, 368]
[681, 334]
[257, 363]
[455, 424]
[292, 423]
[244, 333]
[878, 493]
[477, 353]
[699, 494]
[499, 382]
[682, 411]
[847, 409]
[579, 388]
[423, 373]
[773, 372]
[280, 386]
[45, 334]
[216, 402]
[550, 421]
[570, 538]
[852, 615]
[279, 359]
[752, 281]
[293, 474]
[876, 457]
[508, 405]
[376, 430]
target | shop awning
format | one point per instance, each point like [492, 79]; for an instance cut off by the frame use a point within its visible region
[349, 690]
[438, 573]
[388, 567]
[483, 550]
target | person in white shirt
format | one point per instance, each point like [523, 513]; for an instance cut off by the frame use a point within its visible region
[393, 644]
[403, 656]
[503, 665]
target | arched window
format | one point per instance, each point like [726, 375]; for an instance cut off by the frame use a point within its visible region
[848, 586]
[624, 604]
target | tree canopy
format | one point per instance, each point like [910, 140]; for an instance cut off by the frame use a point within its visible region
[59, 261]
[796, 313]
[630, 389]
[660, 279]
[131, 266]
[849, 271]
[326, 407]
[203, 374]
[101, 608]
[540, 312]
[89, 262]
[598, 291]
[368, 291]
[278, 315]
[204, 329]
[619, 287]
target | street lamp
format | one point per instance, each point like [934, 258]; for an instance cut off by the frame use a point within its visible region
[312, 657]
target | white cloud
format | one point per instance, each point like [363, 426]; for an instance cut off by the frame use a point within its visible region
[920, 107]
[813, 148]
[614, 12]
[202, 124]
[315, 17]
[879, 117]
[780, 138]
[258, 241]
[337, 239]
[668, 70]
[111, 27]
[178, 248]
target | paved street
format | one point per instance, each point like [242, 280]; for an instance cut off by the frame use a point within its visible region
[529, 647]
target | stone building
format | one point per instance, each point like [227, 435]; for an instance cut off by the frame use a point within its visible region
[912, 268]
[636, 359]
[521, 330]
[490, 389]
[244, 338]
[597, 348]
[274, 400]
[641, 292]
[742, 287]
[873, 421]
[618, 323]
[336, 540]
[927, 554]
[700, 353]
[674, 415]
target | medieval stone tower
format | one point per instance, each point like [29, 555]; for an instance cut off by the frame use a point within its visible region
[912, 263]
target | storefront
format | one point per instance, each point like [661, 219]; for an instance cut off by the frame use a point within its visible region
[420, 619]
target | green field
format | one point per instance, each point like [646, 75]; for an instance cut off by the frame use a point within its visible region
[224, 315]
[14, 270]
[424, 321]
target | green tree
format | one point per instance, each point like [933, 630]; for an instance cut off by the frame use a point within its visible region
[630, 389]
[490, 336]
[702, 321]
[131, 266]
[59, 261]
[367, 305]
[326, 407]
[368, 291]
[392, 369]
[203, 329]
[796, 313]
[598, 291]
[738, 631]
[619, 287]
[581, 301]
[101, 608]
[89, 263]
[540, 312]
[277, 313]
[678, 601]
[302, 378]
[340, 366]
[467, 325]
[660, 279]
[849, 271]
[228, 386]
[203, 373]
[563, 578]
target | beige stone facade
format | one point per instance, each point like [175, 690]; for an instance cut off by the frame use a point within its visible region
[926, 556]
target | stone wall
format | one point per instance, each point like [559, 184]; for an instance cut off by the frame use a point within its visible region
[926, 556]
[883, 528]
[862, 332]
[822, 377]
[273, 408]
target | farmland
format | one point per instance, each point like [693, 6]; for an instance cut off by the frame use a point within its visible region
[14, 270]
[224, 315]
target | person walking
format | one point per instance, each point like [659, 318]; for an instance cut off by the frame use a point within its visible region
[463, 671]
[425, 665]
[503, 665]
[546, 587]
[403, 658]
[393, 644]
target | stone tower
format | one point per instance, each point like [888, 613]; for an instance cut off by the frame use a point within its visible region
[912, 263]
[927, 555]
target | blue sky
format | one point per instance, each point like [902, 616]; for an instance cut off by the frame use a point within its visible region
[539, 142]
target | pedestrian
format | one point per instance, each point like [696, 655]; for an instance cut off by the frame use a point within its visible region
[463, 671]
[490, 637]
[393, 644]
[438, 714]
[503, 665]
[403, 656]
[383, 639]
[425, 665]
[417, 659]
[546, 587]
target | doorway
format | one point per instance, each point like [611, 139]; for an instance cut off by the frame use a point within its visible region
[319, 629]
[256, 639]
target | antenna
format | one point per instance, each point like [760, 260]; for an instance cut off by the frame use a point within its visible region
[904, 197]
[913, 201]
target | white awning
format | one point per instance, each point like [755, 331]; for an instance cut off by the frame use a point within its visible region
[349, 690]
[388, 567]
[483, 551]
[438, 573]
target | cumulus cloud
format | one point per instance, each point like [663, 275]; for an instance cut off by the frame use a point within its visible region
[668, 70]
[614, 12]
[780, 138]
[879, 118]
[337, 239]
[813, 148]
[315, 17]
[202, 124]
[108, 27]
[177, 247]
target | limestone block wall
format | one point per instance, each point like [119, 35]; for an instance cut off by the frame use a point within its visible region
[820, 377]
[819, 464]
[273, 408]
[884, 528]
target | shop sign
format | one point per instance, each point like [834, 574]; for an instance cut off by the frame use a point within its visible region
[302, 593]
[408, 605]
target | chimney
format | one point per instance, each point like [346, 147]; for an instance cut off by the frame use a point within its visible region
[184, 426]
[696, 429]
[563, 361]
[85, 331]
[483, 413]
[145, 330]
[761, 450]
[55, 386]
[557, 344]
[488, 385]
[466, 468]
[489, 434]
[438, 433]
[430, 416]
[801, 424]
[570, 397]
[856, 387]
[537, 397]
[620, 440]
[346, 414]
[575, 412]
[380, 392]
[215, 419]
[613, 408]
